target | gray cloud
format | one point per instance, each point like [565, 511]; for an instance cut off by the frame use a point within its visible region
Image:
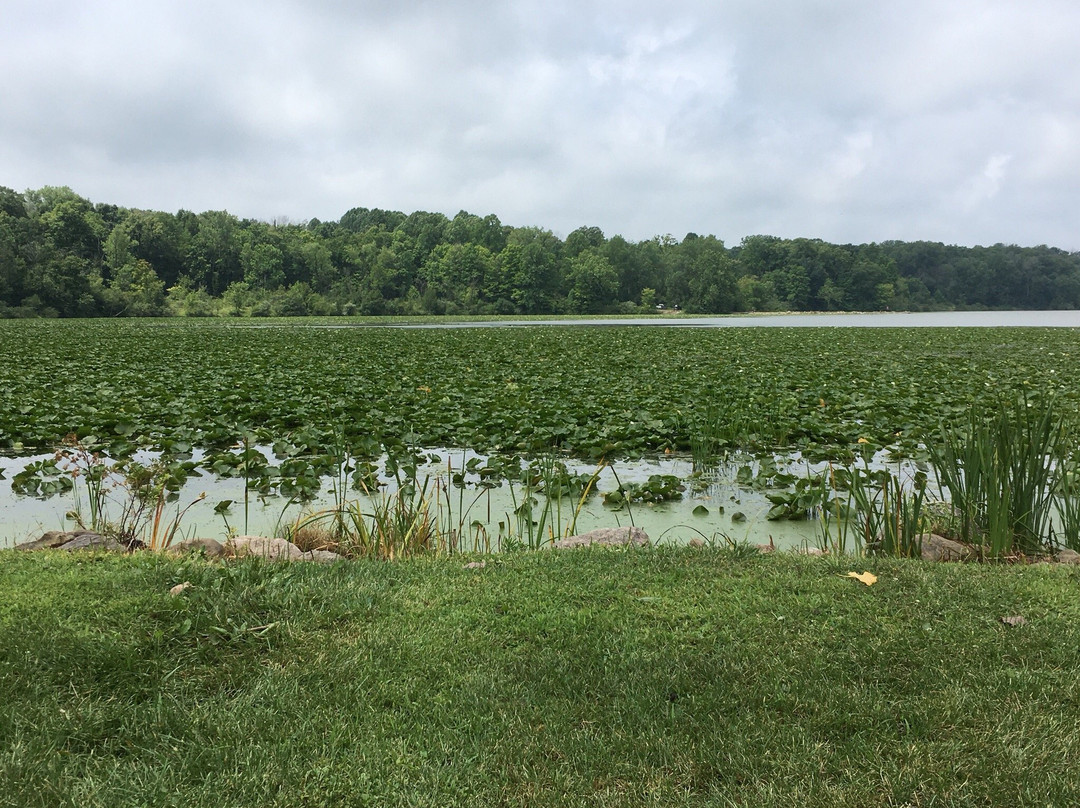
[840, 119]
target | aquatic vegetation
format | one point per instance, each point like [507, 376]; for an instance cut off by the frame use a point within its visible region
[585, 392]
[999, 470]
[283, 406]
[1066, 530]
[658, 488]
[887, 513]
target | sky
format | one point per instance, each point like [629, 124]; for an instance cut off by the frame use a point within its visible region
[852, 121]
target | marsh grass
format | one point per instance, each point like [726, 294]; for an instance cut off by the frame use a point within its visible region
[1004, 474]
[382, 525]
[889, 518]
[835, 517]
[163, 530]
[538, 517]
[1001, 470]
[1066, 529]
[393, 526]
[430, 514]
[726, 425]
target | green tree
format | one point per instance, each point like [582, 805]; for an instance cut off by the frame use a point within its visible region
[237, 297]
[832, 295]
[756, 294]
[12, 203]
[74, 227]
[263, 265]
[14, 231]
[582, 239]
[713, 288]
[142, 291]
[214, 254]
[593, 283]
[464, 273]
[118, 250]
[531, 273]
[792, 285]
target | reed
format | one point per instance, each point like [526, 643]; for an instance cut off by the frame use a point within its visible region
[1065, 530]
[162, 530]
[1000, 470]
[538, 518]
[730, 424]
[889, 513]
[428, 516]
[395, 525]
[835, 517]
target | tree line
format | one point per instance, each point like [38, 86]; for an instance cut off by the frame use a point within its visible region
[64, 256]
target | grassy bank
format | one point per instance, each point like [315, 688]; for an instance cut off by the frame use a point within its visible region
[659, 677]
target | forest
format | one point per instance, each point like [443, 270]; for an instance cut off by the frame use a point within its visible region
[62, 255]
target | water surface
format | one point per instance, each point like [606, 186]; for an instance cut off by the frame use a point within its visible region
[930, 319]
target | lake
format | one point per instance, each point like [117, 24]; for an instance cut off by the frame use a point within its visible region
[930, 319]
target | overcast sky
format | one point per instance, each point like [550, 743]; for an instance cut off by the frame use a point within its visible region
[847, 120]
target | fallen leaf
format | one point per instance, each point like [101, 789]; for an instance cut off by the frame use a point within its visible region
[1013, 620]
[176, 590]
[867, 578]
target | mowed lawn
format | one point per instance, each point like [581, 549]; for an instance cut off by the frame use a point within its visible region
[671, 676]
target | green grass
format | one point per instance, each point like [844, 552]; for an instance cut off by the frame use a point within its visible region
[660, 677]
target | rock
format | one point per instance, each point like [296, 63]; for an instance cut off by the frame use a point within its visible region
[211, 548]
[55, 538]
[240, 546]
[74, 540]
[92, 541]
[607, 536]
[938, 548]
[321, 556]
[270, 549]
[1067, 556]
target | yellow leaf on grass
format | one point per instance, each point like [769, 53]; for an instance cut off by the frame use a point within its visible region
[867, 578]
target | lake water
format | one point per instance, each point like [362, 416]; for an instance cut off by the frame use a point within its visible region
[931, 319]
[710, 508]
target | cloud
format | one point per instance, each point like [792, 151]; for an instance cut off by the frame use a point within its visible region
[838, 119]
[984, 186]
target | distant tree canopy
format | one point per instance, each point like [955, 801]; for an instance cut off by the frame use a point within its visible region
[63, 256]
